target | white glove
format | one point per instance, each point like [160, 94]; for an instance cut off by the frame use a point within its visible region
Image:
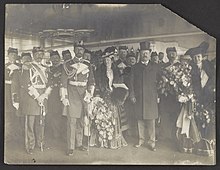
[16, 105]
[182, 99]
[65, 102]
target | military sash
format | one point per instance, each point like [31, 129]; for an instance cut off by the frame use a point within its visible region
[40, 73]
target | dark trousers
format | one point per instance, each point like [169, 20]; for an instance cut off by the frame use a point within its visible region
[32, 125]
[74, 132]
[146, 131]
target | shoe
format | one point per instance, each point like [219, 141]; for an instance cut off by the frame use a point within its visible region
[70, 152]
[152, 147]
[29, 151]
[82, 148]
[139, 144]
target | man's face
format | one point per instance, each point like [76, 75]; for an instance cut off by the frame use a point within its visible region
[145, 55]
[12, 57]
[67, 57]
[197, 58]
[155, 59]
[55, 59]
[38, 56]
[123, 54]
[131, 61]
[161, 56]
[79, 52]
[26, 61]
[172, 55]
[87, 56]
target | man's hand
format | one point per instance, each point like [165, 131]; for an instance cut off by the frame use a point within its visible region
[65, 102]
[16, 105]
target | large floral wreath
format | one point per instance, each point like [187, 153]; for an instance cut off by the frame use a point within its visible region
[102, 116]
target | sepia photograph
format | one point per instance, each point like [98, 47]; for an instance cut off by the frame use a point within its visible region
[107, 84]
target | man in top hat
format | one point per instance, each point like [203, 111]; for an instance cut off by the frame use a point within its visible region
[54, 103]
[169, 114]
[77, 79]
[10, 67]
[143, 93]
[33, 86]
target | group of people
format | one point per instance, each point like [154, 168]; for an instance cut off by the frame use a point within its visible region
[101, 93]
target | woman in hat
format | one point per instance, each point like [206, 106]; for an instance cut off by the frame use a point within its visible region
[203, 82]
[109, 75]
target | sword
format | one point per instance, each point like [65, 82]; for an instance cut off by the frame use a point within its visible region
[42, 124]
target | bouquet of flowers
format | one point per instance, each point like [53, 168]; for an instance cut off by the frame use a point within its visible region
[103, 119]
[176, 80]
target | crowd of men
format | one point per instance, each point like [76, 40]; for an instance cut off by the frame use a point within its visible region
[37, 90]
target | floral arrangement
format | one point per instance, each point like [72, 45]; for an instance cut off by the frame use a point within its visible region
[102, 117]
[176, 80]
[203, 115]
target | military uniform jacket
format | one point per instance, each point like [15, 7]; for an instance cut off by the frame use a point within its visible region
[143, 87]
[9, 73]
[77, 77]
[54, 81]
[28, 85]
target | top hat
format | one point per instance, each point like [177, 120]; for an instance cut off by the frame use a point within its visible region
[145, 45]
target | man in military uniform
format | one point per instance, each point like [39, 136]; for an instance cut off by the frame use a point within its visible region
[76, 79]
[169, 114]
[10, 67]
[32, 85]
[54, 116]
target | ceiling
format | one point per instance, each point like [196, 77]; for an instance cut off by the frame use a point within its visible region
[110, 23]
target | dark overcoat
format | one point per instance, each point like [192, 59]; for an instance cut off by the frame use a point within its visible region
[144, 88]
